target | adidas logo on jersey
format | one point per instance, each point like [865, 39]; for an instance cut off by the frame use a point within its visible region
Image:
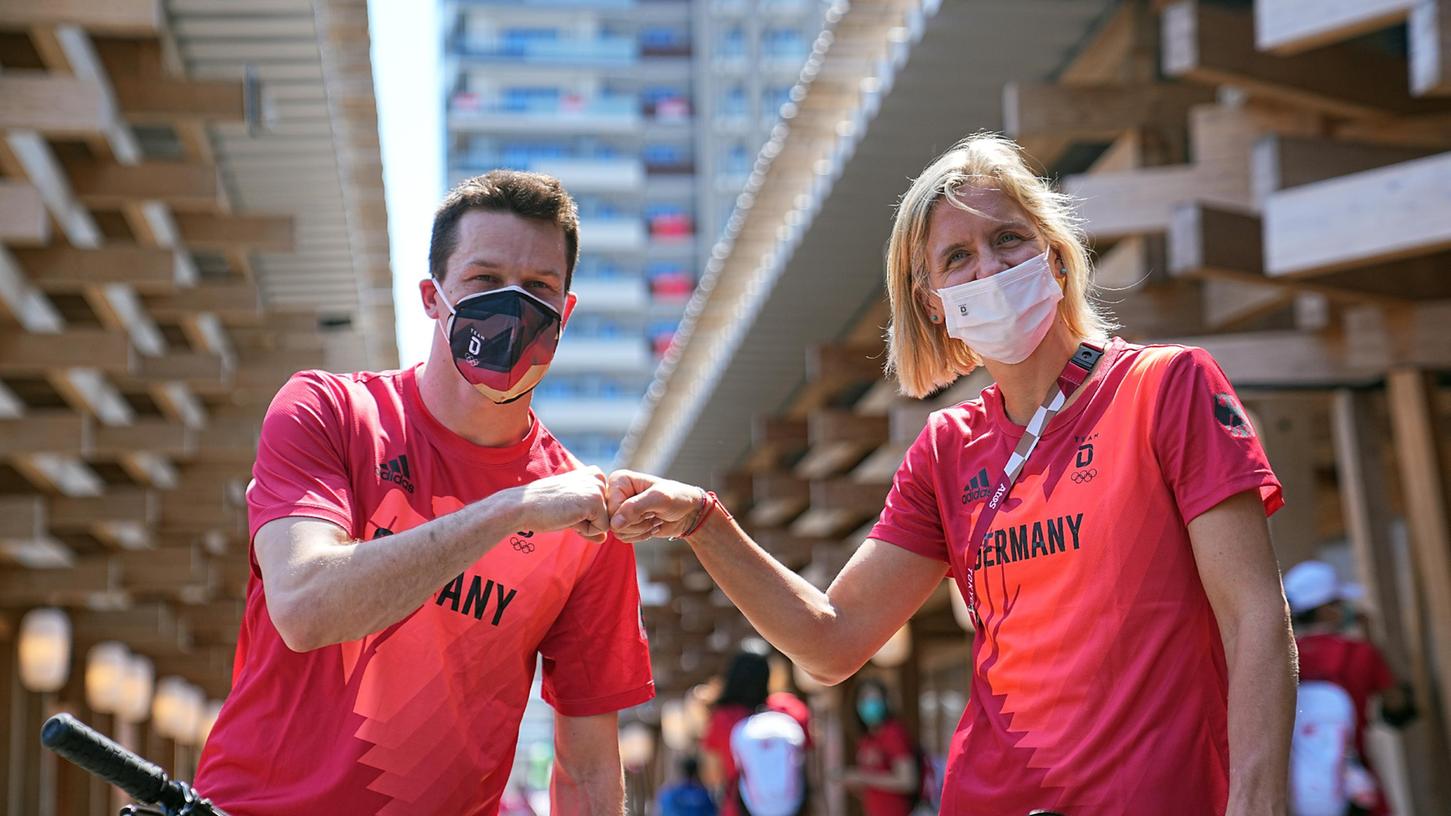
[395, 470]
[976, 489]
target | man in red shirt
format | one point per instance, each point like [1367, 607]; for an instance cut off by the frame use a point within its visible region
[1327, 653]
[420, 542]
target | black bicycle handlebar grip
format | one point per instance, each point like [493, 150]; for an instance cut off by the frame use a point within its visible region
[97, 753]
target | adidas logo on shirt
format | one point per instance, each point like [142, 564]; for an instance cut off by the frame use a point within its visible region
[395, 470]
[976, 489]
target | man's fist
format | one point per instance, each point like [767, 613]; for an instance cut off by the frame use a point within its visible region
[568, 501]
[643, 506]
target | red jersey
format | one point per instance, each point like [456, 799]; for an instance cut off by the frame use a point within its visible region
[423, 716]
[878, 751]
[1352, 664]
[717, 741]
[1099, 682]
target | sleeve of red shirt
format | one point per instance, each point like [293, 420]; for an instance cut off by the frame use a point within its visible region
[1208, 450]
[301, 466]
[596, 658]
[910, 518]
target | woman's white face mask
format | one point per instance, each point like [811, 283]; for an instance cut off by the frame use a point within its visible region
[1004, 317]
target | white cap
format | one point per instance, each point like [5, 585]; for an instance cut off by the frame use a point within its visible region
[1309, 584]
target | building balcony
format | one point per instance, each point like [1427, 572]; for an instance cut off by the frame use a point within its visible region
[530, 4]
[619, 294]
[609, 114]
[603, 355]
[591, 175]
[579, 415]
[611, 234]
[595, 51]
[729, 8]
[681, 50]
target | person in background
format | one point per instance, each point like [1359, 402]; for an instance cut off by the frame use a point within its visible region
[887, 775]
[747, 681]
[688, 796]
[1321, 617]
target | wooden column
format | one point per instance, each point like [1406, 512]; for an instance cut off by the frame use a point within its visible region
[1288, 436]
[1423, 480]
[1384, 569]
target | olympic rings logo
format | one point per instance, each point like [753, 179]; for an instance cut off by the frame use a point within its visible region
[522, 546]
[1083, 476]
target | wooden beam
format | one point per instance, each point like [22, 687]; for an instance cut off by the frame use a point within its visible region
[131, 17]
[1206, 43]
[50, 432]
[778, 498]
[1280, 162]
[162, 99]
[23, 518]
[116, 505]
[1235, 304]
[55, 105]
[1429, 32]
[226, 232]
[23, 219]
[1097, 112]
[1207, 241]
[27, 306]
[232, 302]
[71, 586]
[150, 435]
[1287, 27]
[774, 437]
[69, 270]
[59, 473]
[1116, 205]
[1223, 244]
[838, 440]
[1423, 481]
[198, 369]
[178, 184]
[38, 354]
[1374, 216]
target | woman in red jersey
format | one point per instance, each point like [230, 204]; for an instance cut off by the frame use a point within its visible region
[887, 776]
[1101, 506]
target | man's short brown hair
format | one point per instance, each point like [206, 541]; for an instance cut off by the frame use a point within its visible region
[528, 195]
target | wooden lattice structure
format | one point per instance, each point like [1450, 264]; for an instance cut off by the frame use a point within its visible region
[191, 209]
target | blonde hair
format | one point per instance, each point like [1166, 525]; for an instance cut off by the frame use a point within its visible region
[920, 353]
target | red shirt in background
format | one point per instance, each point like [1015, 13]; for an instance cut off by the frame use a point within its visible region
[423, 716]
[717, 741]
[1352, 664]
[1099, 682]
[878, 751]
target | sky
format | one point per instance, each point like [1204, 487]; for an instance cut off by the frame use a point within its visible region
[407, 70]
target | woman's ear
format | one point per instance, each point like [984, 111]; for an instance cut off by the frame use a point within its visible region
[1056, 263]
[930, 304]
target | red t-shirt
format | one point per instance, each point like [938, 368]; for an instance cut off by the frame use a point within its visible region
[1354, 665]
[878, 751]
[423, 716]
[717, 741]
[1099, 682]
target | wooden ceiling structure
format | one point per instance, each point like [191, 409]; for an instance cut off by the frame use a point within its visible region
[191, 209]
[1268, 180]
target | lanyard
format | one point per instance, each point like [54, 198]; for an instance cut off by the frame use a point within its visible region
[1077, 369]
